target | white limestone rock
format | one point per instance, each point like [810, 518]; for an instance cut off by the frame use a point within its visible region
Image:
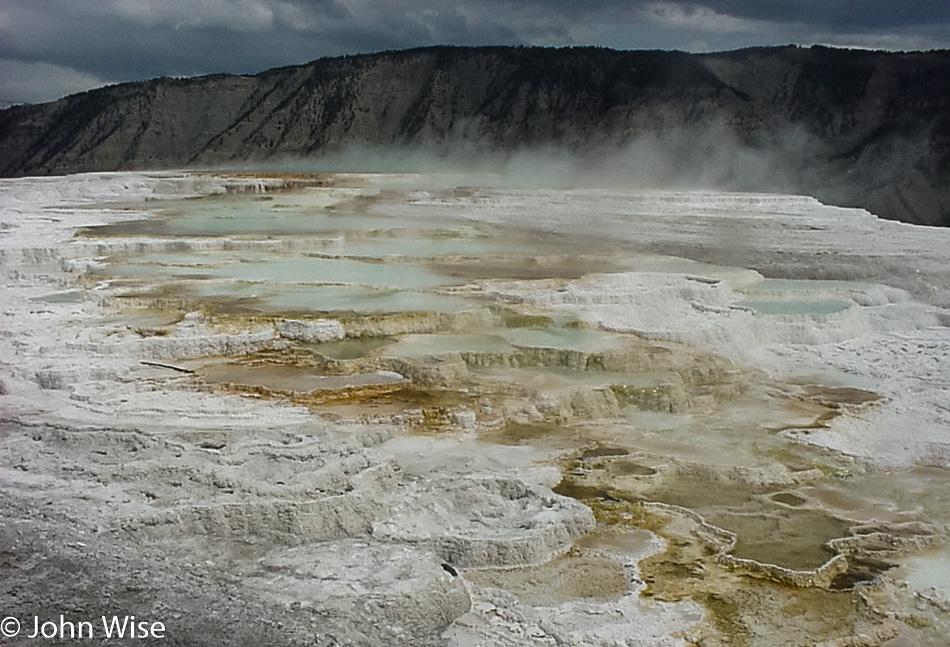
[320, 330]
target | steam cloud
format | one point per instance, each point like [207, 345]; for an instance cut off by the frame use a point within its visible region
[700, 157]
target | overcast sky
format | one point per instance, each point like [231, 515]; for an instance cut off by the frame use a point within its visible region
[49, 48]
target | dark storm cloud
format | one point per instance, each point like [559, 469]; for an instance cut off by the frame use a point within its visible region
[839, 14]
[52, 47]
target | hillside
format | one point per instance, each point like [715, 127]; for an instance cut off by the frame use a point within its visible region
[854, 128]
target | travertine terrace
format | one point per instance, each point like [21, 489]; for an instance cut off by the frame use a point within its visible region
[431, 410]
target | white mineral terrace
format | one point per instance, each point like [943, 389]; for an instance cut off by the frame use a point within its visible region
[437, 410]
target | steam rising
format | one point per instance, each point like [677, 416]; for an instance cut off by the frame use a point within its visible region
[708, 157]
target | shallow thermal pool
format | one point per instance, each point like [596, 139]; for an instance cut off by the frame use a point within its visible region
[280, 377]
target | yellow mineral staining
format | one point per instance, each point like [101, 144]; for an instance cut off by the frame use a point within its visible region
[575, 575]
[740, 611]
[840, 397]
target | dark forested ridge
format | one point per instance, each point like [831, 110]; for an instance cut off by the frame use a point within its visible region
[852, 127]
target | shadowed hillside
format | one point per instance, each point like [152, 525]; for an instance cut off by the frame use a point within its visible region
[854, 128]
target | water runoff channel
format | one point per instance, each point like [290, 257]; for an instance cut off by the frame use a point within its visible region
[429, 323]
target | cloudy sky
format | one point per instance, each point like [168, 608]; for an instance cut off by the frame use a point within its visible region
[49, 48]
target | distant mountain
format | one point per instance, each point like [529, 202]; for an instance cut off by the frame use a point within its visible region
[855, 128]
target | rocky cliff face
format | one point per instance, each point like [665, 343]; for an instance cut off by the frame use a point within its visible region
[856, 128]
